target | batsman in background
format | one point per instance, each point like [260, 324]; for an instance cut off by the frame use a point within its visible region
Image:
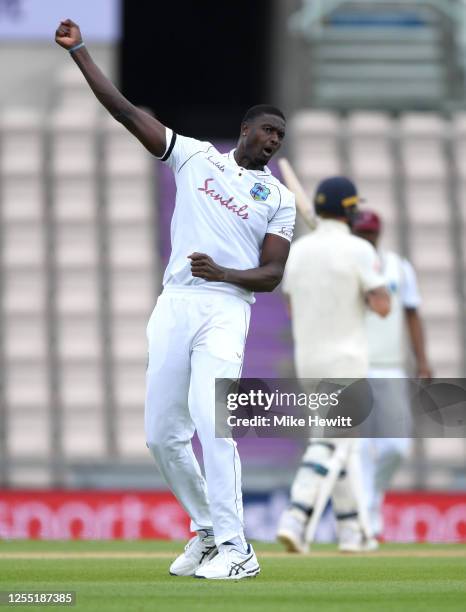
[331, 279]
[231, 233]
[381, 457]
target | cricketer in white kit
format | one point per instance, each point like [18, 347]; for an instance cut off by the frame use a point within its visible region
[387, 356]
[332, 278]
[225, 210]
[231, 233]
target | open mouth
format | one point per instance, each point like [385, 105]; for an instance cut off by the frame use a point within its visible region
[268, 151]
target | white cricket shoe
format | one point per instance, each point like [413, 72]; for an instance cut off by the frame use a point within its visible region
[198, 551]
[365, 545]
[230, 564]
[352, 540]
[292, 532]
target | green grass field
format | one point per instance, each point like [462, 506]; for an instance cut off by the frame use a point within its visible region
[133, 576]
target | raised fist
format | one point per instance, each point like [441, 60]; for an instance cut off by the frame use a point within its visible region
[68, 34]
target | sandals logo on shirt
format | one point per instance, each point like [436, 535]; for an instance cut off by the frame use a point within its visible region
[260, 192]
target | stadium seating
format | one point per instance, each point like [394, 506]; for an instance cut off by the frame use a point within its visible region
[403, 168]
[359, 56]
[80, 260]
[370, 162]
[133, 275]
[80, 275]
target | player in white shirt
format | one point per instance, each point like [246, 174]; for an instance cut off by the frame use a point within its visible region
[331, 278]
[231, 233]
[386, 337]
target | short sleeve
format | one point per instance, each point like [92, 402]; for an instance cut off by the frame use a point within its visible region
[286, 277]
[180, 149]
[369, 267]
[283, 221]
[289, 272]
[409, 292]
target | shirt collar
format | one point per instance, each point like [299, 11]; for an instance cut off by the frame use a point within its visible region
[265, 172]
[332, 225]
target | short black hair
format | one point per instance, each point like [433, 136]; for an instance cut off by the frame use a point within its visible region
[262, 109]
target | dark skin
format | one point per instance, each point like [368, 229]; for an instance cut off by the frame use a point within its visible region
[259, 140]
[413, 320]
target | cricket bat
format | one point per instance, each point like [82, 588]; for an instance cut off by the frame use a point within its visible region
[303, 203]
[338, 460]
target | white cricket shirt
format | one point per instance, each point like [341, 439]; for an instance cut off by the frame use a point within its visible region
[386, 336]
[328, 273]
[221, 210]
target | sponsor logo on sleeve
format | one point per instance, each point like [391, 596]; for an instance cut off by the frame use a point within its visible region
[287, 232]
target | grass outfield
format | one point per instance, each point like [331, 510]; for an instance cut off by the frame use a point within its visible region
[133, 576]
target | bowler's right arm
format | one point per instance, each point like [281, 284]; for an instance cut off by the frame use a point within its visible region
[149, 131]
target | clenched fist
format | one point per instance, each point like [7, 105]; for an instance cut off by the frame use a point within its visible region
[68, 34]
[203, 266]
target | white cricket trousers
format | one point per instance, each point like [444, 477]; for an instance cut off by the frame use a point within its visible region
[194, 337]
